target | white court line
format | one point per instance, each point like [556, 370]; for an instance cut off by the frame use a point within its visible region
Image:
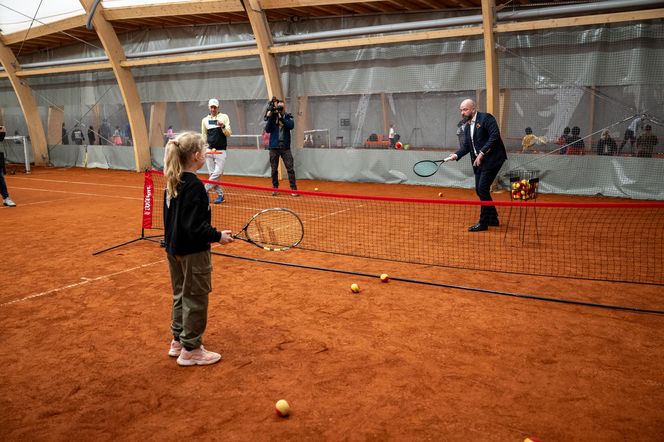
[334, 213]
[77, 284]
[77, 182]
[38, 202]
[315, 218]
[79, 193]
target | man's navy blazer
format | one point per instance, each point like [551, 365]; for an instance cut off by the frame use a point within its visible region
[486, 137]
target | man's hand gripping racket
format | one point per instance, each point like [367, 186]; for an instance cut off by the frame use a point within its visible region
[427, 167]
[273, 229]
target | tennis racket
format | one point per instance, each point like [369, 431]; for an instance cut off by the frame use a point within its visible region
[427, 167]
[273, 229]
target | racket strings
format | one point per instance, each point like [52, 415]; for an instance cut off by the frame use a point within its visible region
[275, 228]
[426, 168]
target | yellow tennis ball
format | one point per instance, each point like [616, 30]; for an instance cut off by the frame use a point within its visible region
[384, 277]
[355, 288]
[440, 193]
[315, 189]
[214, 150]
[282, 408]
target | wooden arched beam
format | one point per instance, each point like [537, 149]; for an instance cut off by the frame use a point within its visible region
[490, 59]
[128, 89]
[264, 43]
[28, 106]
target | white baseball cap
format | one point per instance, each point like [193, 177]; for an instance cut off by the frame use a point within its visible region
[213, 102]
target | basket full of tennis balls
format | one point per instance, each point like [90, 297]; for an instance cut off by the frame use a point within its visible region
[524, 190]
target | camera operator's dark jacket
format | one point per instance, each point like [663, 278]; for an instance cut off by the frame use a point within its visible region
[272, 127]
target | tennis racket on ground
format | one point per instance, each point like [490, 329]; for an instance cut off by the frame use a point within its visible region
[273, 229]
[427, 167]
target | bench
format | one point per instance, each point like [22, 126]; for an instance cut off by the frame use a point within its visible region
[382, 142]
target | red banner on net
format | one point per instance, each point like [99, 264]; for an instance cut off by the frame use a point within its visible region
[148, 200]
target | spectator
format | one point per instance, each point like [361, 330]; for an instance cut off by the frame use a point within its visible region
[632, 132]
[65, 137]
[529, 140]
[77, 135]
[606, 145]
[105, 133]
[576, 144]
[117, 137]
[563, 141]
[126, 135]
[392, 136]
[461, 132]
[646, 143]
[266, 140]
[91, 135]
[3, 185]
[169, 133]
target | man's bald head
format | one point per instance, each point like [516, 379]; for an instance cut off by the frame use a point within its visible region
[467, 109]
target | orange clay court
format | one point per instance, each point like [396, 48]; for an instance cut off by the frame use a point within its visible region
[86, 337]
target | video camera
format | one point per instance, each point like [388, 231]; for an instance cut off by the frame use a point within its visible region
[273, 108]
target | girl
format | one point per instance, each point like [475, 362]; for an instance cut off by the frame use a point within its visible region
[117, 138]
[187, 239]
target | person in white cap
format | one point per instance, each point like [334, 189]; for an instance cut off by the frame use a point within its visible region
[216, 128]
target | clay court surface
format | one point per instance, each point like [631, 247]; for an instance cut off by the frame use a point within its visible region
[86, 338]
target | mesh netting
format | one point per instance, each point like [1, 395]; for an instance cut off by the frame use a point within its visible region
[616, 242]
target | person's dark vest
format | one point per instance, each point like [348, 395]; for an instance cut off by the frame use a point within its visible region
[217, 138]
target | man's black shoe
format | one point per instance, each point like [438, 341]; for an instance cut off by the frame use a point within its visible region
[478, 227]
[495, 223]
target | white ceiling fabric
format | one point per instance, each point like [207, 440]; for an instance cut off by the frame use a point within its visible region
[17, 15]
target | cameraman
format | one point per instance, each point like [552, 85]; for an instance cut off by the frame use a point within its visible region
[279, 126]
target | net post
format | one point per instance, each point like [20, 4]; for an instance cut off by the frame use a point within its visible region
[148, 202]
[25, 153]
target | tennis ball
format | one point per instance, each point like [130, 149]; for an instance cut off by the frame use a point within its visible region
[531, 439]
[355, 288]
[282, 408]
[315, 189]
[440, 193]
[214, 150]
[384, 277]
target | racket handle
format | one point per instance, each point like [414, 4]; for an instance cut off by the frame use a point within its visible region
[226, 237]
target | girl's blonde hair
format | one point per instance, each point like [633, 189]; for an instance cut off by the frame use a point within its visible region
[178, 154]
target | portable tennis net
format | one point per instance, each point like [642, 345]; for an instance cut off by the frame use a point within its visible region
[600, 241]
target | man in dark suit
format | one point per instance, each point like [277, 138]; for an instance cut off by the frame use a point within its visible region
[487, 152]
